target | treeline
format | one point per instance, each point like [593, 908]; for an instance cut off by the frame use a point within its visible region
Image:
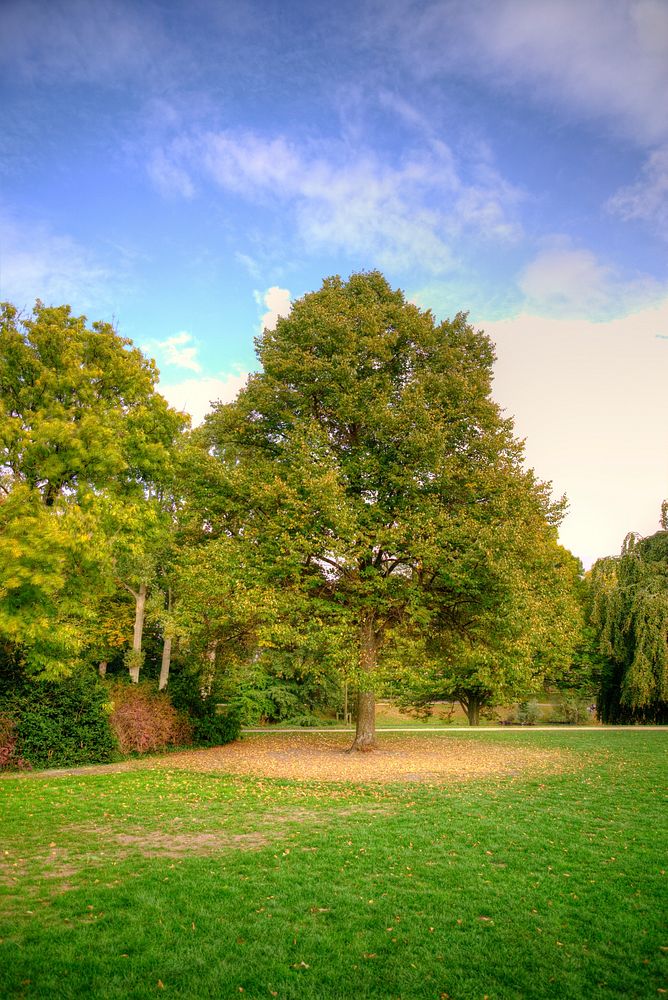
[359, 518]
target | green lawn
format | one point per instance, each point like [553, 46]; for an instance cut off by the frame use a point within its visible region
[165, 883]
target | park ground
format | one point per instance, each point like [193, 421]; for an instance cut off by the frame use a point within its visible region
[494, 864]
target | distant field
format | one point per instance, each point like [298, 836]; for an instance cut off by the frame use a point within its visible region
[533, 865]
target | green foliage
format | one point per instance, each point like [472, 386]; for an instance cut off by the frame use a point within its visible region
[528, 713]
[83, 436]
[216, 726]
[59, 723]
[363, 487]
[629, 613]
[571, 711]
[78, 406]
[213, 720]
[528, 630]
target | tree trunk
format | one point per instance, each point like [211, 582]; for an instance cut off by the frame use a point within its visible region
[166, 661]
[140, 610]
[365, 732]
[102, 668]
[166, 651]
[472, 708]
[209, 670]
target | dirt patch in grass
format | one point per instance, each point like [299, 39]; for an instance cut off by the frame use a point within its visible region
[155, 844]
[324, 757]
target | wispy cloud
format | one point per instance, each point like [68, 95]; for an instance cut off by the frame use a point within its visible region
[170, 179]
[566, 281]
[647, 199]
[407, 215]
[603, 59]
[36, 262]
[178, 350]
[109, 41]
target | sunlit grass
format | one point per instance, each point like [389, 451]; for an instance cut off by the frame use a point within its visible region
[171, 883]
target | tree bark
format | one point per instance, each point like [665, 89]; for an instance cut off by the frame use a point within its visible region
[209, 670]
[166, 651]
[140, 611]
[102, 668]
[365, 730]
[166, 661]
[472, 708]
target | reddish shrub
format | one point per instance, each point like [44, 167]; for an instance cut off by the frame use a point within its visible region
[143, 720]
[9, 757]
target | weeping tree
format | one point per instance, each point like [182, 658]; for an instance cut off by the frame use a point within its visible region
[364, 472]
[629, 612]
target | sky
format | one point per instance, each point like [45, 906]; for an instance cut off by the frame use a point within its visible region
[187, 168]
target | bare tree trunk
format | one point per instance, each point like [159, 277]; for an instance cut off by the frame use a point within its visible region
[365, 732]
[102, 668]
[166, 661]
[166, 650]
[140, 611]
[472, 708]
[209, 670]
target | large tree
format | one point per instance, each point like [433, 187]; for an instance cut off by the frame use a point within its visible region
[629, 597]
[365, 472]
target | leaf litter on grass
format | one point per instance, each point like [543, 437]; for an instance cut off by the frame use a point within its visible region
[324, 757]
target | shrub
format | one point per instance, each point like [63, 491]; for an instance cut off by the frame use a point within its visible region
[143, 719]
[527, 713]
[57, 723]
[571, 712]
[9, 755]
[213, 728]
[306, 720]
[213, 723]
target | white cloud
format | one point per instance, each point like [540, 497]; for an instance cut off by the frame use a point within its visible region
[277, 304]
[178, 350]
[408, 215]
[36, 263]
[567, 281]
[603, 59]
[647, 199]
[590, 399]
[196, 395]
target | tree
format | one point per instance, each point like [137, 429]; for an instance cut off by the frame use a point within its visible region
[78, 407]
[363, 473]
[629, 612]
[82, 430]
[528, 636]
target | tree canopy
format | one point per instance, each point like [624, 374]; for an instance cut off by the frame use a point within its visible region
[367, 478]
[83, 434]
[78, 406]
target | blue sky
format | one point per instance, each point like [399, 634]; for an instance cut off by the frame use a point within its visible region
[188, 168]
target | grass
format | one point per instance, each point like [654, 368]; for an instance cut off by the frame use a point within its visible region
[159, 883]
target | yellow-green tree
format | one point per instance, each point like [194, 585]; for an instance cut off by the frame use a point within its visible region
[82, 431]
